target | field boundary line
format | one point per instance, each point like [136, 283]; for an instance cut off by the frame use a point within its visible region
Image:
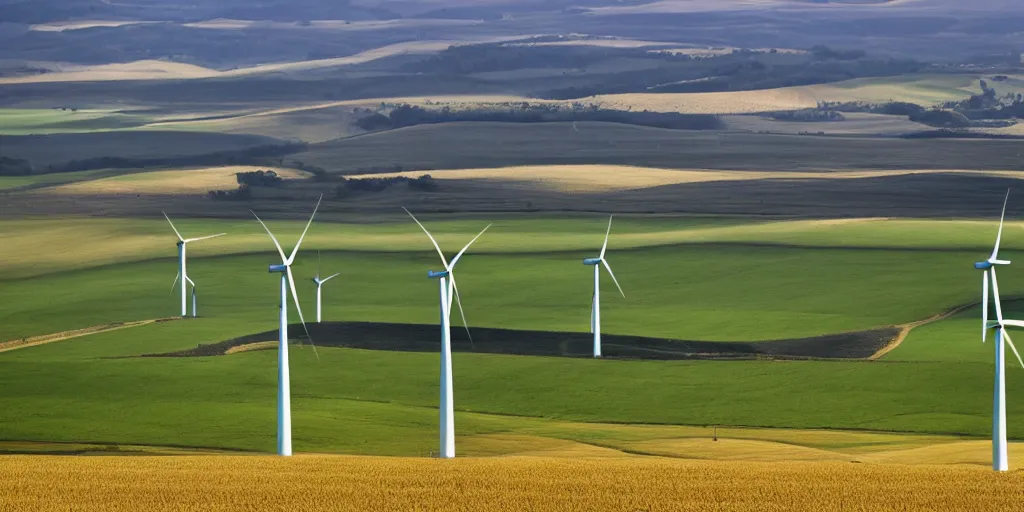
[34, 341]
[906, 328]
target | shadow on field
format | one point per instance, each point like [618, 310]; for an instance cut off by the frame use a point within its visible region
[425, 338]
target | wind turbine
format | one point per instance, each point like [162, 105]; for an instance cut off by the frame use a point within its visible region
[183, 268]
[319, 284]
[595, 306]
[1000, 460]
[446, 278]
[284, 407]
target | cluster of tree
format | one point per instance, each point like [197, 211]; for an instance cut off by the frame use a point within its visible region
[249, 156]
[410, 115]
[319, 173]
[941, 118]
[246, 182]
[14, 166]
[987, 109]
[989, 105]
[937, 117]
[259, 179]
[351, 186]
[958, 134]
[807, 115]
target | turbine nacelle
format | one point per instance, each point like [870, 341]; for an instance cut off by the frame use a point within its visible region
[278, 268]
[985, 265]
[592, 261]
[431, 274]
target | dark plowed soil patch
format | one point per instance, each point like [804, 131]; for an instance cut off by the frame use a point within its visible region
[426, 338]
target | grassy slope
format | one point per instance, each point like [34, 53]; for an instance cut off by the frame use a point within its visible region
[42, 180]
[472, 145]
[141, 239]
[362, 401]
[47, 121]
[672, 292]
[43, 150]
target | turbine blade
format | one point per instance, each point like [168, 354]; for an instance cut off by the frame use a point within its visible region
[297, 244]
[172, 226]
[984, 307]
[431, 237]
[295, 297]
[606, 234]
[995, 296]
[272, 237]
[999, 235]
[318, 264]
[330, 277]
[616, 281]
[463, 251]
[1009, 342]
[463, 313]
[190, 281]
[175, 283]
[203, 238]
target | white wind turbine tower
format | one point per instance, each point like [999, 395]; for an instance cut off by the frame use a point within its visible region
[595, 307]
[284, 407]
[319, 284]
[446, 278]
[1000, 460]
[183, 268]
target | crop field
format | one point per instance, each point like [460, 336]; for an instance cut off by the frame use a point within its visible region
[45, 121]
[108, 484]
[853, 124]
[475, 145]
[606, 178]
[47, 180]
[81, 24]
[924, 90]
[311, 124]
[56, 149]
[139, 70]
[192, 181]
[166, 70]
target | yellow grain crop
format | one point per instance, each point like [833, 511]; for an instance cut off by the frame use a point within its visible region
[190, 181]
[306, 483]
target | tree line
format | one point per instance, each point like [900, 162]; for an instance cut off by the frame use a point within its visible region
[411, 115]
[249, 156]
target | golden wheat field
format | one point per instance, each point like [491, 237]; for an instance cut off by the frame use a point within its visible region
[596, 178]
[190, 181]
[306, 483]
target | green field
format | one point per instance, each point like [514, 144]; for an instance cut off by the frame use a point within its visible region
[710, 279]
[47, 121]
